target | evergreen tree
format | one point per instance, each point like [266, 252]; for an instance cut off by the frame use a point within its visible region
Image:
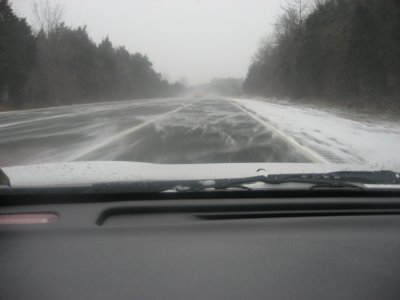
[341, 50]
[17, 55]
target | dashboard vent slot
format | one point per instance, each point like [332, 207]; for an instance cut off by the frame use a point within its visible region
[163, 215]
[291, 214]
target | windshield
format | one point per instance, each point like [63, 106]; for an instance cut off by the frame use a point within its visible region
[99, 91]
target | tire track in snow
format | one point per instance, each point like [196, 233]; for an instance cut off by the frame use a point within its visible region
[72, 112]
[92, 148]
[40, 119]
[313, 156]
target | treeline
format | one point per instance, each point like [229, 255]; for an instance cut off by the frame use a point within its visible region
[61, 65]
[342, 50]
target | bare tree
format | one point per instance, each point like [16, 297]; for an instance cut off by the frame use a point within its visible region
[265, 50]
[47, 16]
[319, 2]
[300, 7]
[287, 25]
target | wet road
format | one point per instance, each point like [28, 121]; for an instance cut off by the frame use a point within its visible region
[178, 130]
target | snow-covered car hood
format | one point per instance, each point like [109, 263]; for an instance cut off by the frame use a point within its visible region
[86, 173]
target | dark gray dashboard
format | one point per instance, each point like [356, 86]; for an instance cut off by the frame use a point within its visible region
[203, 249]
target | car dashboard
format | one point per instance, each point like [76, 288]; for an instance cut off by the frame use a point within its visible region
[263, 248]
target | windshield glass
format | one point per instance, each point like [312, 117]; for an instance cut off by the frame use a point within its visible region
[283, 86]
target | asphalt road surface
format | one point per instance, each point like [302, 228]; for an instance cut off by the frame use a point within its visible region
[173, 130]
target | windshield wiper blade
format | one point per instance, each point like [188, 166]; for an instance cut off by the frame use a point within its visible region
[344, 179]
[341, 180]
[338, 179]
[375, 177]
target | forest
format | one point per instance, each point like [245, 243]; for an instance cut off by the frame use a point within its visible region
[341, 51]
[62, 65]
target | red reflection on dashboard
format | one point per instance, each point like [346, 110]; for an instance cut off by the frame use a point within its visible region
[28, 218]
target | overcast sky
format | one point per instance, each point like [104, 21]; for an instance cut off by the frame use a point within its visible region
[193, 39]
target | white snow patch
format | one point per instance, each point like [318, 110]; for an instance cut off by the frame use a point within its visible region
[373, 142]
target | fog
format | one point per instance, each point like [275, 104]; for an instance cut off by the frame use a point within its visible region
[317, 91]
[193, 39]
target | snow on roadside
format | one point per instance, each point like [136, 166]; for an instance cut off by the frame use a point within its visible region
[337, 138]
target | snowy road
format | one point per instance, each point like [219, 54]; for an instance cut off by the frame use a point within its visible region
[192, 130]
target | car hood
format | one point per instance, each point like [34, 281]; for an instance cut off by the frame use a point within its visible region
[75, 174]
